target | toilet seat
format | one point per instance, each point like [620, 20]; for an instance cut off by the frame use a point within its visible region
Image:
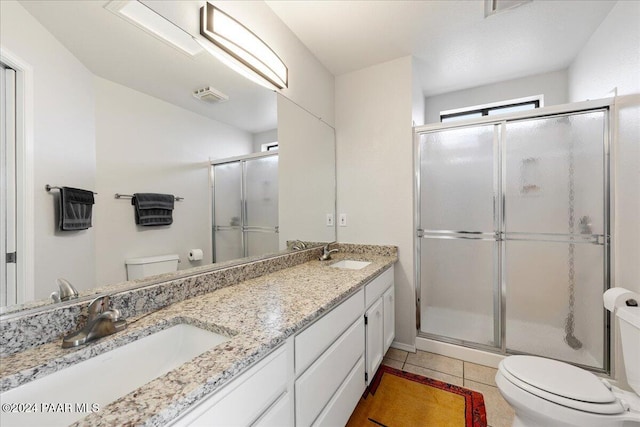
[561, 383]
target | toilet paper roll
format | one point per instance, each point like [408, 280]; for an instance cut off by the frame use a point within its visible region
[195, 254]
[617, 297]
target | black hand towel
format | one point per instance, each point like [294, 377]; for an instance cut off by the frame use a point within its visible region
[76, 206]
[153, 209]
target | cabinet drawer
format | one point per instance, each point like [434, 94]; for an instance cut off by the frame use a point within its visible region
[319, 383]
[243, 400]
[311, 342]
[377, 286]
[341, 407]
[280, 414]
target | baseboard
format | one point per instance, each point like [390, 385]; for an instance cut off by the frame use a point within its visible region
[404, 347]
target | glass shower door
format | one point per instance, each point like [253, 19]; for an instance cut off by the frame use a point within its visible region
[555, 237]
[261, 205]
[227, 212]
[458, 242]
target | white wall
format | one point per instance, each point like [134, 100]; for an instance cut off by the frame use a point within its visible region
[552, 85]
[418, 109]
[310, 84]
[306, 175]
[64, 146]
[148, 145]
[265, 137]
[375, 170]
[611, 59]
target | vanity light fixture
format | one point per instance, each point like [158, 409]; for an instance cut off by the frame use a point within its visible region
[240, 49]
[155, 24]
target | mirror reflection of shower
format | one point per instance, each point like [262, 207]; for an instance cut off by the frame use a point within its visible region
[245, 206]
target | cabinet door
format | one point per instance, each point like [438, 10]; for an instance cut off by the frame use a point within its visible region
[375, 338]
[389, 318]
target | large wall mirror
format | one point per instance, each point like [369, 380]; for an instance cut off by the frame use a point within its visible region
[114, 112]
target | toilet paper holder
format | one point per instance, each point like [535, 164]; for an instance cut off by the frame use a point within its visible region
[195, 255]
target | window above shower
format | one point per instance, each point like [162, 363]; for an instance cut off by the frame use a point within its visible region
[492, 109]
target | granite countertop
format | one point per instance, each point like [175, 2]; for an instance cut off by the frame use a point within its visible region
[258, 314]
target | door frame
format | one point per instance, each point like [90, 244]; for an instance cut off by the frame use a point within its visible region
[25, 190]
[609, 181]
[242, 160]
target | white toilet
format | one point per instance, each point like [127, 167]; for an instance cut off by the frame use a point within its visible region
[137, 268]
[549, 393]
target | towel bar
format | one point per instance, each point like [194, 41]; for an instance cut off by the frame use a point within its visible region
[130, 196]
[53, 187]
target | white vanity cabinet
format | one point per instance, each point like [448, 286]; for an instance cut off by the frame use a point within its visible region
[389, 324]
[260, 396]
[318, 376]
[330, 365]
[379, 320]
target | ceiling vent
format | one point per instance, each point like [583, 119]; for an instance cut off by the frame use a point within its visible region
[491, 7]
[210, 94]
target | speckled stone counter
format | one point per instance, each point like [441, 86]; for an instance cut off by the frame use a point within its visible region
[258, 314]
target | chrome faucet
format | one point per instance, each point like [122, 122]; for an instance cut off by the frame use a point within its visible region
[298, 245]
[66, 292]
[102, 320]
[326, 253]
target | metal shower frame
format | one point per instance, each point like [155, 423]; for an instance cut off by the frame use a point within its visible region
[243, 191]
[499, 287]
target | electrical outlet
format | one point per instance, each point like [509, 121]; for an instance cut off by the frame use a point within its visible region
[343, 220]
[329, 220]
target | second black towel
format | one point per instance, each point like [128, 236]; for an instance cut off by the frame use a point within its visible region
[153, 208]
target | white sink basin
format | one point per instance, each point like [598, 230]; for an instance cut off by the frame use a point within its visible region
[350, 264]
[100, 380]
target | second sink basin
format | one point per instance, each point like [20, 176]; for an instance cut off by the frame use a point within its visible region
[92, 384]
[350, 264]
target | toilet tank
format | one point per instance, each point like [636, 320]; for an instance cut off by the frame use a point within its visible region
[629, 319]
[138, 268]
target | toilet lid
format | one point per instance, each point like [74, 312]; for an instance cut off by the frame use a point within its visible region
[561, 383]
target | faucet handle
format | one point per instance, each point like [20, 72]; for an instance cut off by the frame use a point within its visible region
[98, 306]
[326, 248]
[66, 291]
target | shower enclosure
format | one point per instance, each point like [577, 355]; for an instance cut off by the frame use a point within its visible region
[513, 233]
[245, 206]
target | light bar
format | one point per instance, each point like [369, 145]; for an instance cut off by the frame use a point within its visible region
[241, 49]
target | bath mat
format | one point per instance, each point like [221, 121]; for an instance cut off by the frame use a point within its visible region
[400, 399]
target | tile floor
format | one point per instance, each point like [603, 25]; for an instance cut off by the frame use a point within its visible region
[454, 371]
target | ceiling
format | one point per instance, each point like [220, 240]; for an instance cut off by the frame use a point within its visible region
[455, 46]
[114, 49]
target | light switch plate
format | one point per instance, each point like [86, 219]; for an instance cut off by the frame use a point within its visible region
[342, 220]
[329, 220]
